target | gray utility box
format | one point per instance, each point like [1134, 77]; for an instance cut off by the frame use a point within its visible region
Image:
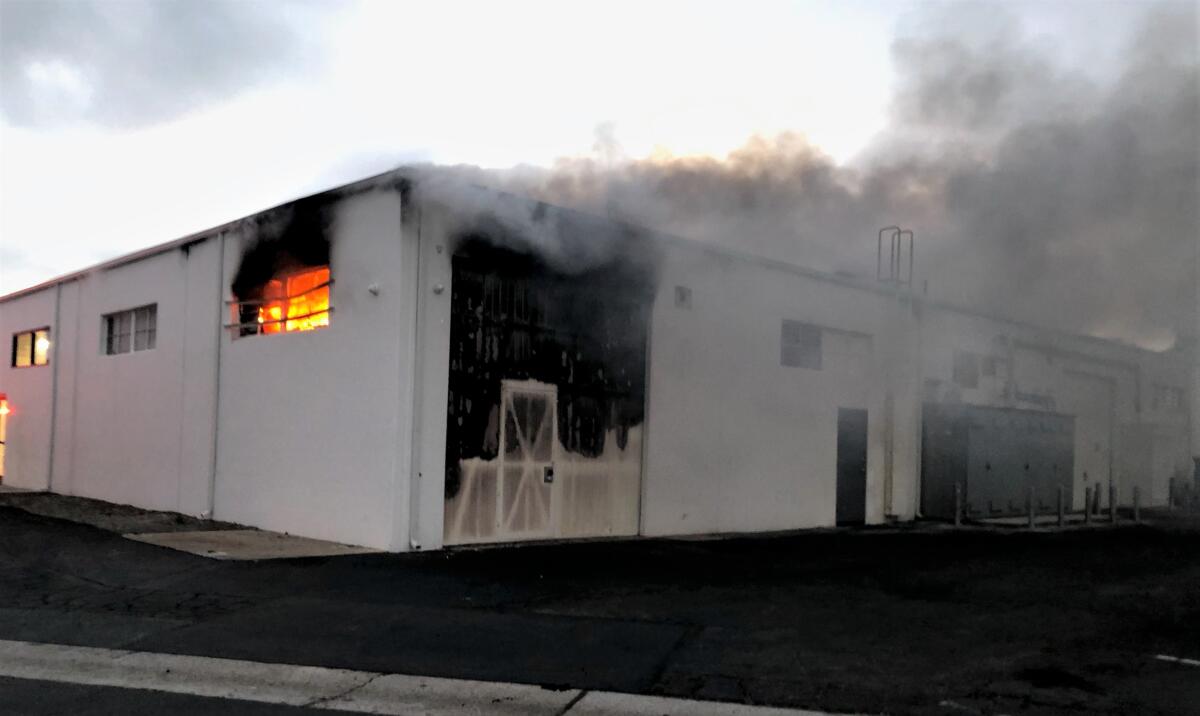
[996, 454]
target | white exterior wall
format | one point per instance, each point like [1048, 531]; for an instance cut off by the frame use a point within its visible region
[309, 423]
[122, 421]
[124, 431]
[27, 457]
[736, 441]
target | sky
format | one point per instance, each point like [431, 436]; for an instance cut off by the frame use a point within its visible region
[125, 123]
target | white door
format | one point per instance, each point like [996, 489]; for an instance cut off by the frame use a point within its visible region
[528, 440]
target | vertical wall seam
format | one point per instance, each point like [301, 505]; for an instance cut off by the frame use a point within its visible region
[644, 472]
[54, 385]
[179, 470]
[417, 335]
[216, 420]
[75, 380]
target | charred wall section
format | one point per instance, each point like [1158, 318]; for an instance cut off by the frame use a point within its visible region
[290, 238]
[513, 316]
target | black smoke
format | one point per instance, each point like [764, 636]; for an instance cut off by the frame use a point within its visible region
[292, 237]
[1037, 191]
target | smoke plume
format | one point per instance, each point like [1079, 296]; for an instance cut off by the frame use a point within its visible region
[1037, 192]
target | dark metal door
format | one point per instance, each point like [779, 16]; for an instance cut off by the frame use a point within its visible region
[851, 466]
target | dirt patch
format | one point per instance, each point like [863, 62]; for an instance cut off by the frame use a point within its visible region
[122, 519]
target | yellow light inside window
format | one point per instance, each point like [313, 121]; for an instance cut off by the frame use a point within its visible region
[41, 347]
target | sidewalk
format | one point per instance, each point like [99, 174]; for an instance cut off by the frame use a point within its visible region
[338, 689]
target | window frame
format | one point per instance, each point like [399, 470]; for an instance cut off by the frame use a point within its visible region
[801, 353]
[33, 338]
[245, 313]
[106, 335]
[1169, 398]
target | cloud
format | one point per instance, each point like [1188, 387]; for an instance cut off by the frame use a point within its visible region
[137, 62]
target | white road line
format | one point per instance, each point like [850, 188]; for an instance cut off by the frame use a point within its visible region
[340, 689]
[1177, 660]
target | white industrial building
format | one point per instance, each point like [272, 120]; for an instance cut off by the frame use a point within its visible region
[403, 364]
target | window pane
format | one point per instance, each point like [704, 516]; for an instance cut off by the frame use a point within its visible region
[22, 350]
[124, 331]
[271, 313]
[109, 334]
[297, 302]
[800, 345]
[41, 347]
[118, 332]
[145, 327]
[308, 304]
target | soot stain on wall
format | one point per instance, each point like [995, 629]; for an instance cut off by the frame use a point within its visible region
[515, 317]
[292, 237]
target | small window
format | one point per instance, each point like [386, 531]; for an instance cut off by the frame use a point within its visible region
[133, 330]
[294, 302]
[966, 369]
[1168, 397]
[31, 348]
[801, 345]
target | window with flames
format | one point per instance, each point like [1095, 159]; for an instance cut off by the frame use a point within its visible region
[293, 302]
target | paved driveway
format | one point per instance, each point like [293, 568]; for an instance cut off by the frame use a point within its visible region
[903, 621]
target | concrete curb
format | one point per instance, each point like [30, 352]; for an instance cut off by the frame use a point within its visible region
[336, 689]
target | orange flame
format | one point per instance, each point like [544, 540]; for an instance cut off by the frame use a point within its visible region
[297, 299]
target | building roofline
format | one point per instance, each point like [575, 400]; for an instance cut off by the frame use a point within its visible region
[409, 173]
[191, 239]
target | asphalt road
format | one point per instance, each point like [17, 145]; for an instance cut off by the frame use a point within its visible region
[923, 621]
[28, 696]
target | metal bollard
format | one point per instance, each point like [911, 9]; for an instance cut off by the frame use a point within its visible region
[1112, 502]
[1137, 505]
[1032, 510]
[1062, 506]
[1087, 505]
[958, 504]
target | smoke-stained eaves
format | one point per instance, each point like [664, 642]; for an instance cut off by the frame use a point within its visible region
[566, 240]
[293, 236]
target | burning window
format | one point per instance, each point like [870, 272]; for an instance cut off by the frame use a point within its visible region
[297, 301]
